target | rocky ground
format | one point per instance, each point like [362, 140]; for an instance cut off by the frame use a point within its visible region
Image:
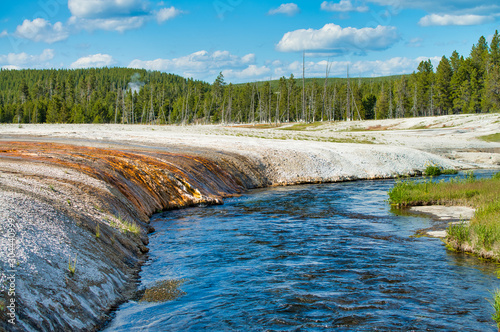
[62, 185]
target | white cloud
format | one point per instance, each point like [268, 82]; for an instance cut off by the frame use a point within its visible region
[446, 19]
[119, 24]
[335, 40]
[289, 9]
[116, 15]
[92, 9]
[415, 42]
[41, 30]
[4, 34]
[166, 14]
[23, 60]
[393, 66]
[252, 72]
[93, 61]
[11, 67]
[342, 6]
[461, 7]
[199, 65]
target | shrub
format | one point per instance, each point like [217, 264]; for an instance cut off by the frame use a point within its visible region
[433, 170]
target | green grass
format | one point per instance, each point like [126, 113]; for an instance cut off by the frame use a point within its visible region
[435, 170]
[72, 268]
[126, 226]
[495, 303]
[419, 127]
[491, 138]
[482, 234]
[132, 227]
[303, 126]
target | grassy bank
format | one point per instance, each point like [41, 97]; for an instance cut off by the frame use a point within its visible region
[482, 235]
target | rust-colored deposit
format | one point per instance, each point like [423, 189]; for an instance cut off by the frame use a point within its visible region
[151, 181]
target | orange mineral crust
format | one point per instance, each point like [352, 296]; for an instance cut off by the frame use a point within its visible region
[90, 207]
[150, 181]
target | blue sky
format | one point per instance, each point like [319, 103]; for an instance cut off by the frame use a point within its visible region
[246, 40]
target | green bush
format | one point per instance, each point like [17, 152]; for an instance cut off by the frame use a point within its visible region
[433, 170]
[458, 232]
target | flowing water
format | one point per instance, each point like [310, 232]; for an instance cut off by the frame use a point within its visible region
[308, 258]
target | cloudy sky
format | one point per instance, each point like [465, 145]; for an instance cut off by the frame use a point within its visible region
[246, 40]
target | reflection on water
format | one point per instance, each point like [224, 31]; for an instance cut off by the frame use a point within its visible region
[313, 258]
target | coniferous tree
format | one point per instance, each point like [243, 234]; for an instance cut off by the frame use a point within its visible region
[491, 96]
[442, 94]
[132, 96]
[424, 81]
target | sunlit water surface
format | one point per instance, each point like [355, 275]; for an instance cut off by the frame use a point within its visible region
[308, 258]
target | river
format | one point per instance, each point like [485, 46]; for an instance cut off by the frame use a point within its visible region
[308, 258]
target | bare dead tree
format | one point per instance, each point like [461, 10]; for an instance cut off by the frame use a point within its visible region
[328, 68]
[303, 84]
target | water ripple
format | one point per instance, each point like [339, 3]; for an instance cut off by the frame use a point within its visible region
[309, 258]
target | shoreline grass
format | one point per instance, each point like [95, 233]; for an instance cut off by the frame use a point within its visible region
[482, 235]
[495, 303]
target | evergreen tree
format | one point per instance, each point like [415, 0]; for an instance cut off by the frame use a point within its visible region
[455, 61]
[369, 103]
[424, 81]
[479, 56]
[495, 50]
[442, 95]
[460, 85]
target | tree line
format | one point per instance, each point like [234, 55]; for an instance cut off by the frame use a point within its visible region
[122, 95]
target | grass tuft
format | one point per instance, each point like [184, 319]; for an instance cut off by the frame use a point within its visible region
[72, 268]
[495, 303]
[126, 226]
[132, 228]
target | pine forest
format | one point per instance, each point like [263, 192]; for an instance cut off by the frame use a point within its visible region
[458, 85]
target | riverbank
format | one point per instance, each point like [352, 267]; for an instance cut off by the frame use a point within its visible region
[477, 233]
[84, 193]
[445, 215]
